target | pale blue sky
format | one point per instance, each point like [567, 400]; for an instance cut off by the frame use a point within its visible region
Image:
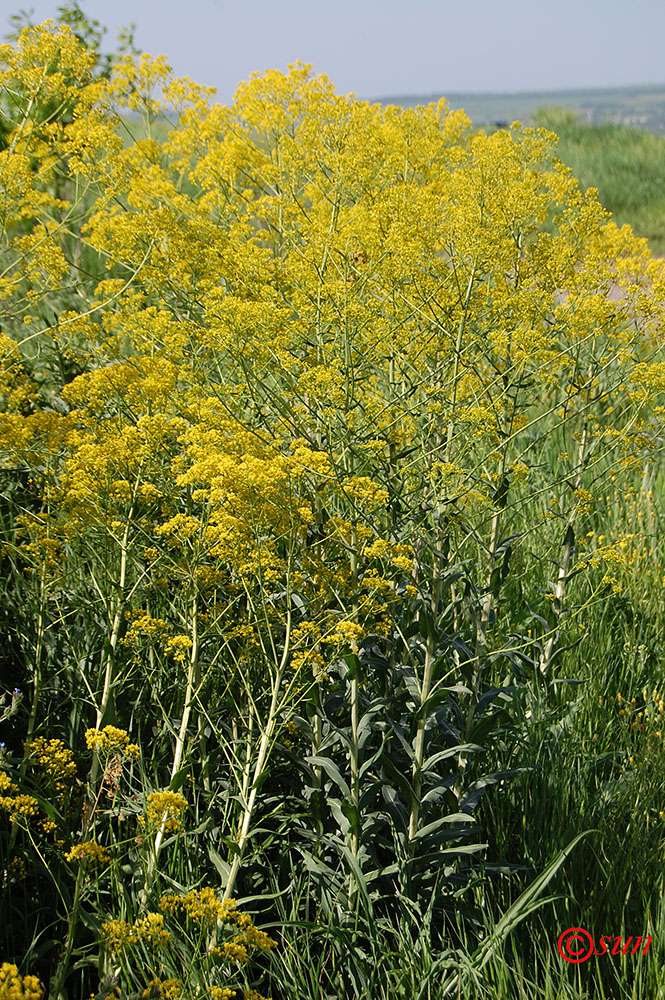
[388, 47]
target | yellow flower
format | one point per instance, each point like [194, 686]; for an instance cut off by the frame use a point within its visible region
[178, 646]
[169, 988]
[15, 987]
[6, 784]
[149, 929]
[200, 905]
[17, 867]
[118, 933]
[167, 808]
[89, 850]
[20, 807]
[233, 951]
[111, 740]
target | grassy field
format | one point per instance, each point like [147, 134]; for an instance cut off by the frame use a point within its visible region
[625, 164]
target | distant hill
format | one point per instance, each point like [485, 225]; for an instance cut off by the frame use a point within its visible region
[641, 106]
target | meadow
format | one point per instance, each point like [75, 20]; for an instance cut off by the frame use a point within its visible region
[331, 540]
[625, 164]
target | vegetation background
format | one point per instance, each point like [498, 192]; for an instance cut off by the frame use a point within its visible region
[332, 558]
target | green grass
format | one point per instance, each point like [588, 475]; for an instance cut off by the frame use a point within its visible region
[625, 164]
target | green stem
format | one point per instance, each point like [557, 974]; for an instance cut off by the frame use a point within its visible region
[564, 566]
[261, 761]
[182, 734]
[115, 627]
[355, 749]
[425, 689]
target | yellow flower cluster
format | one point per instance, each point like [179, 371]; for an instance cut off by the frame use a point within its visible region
[291, 734]
[178, 647]
[584, 499]
[343, 633]
[363, 491]
[20, 807]
[201, 905]
[144, 627]
[231, 951]
[149, 929]
[170, 989]
[167, 808]
[89, 851]
[111, 740]
[55, 760]
[17, 867]
[15, 987]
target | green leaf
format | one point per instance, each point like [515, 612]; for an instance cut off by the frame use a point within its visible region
[430, 828]
[447, 754]
[179, 778]
[333, 772]
[526, 904]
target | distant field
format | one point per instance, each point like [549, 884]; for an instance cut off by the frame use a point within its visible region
[642, 106]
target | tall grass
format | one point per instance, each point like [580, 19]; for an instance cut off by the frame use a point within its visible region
[625, 164]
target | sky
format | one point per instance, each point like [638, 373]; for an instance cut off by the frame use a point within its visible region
[377, 48]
